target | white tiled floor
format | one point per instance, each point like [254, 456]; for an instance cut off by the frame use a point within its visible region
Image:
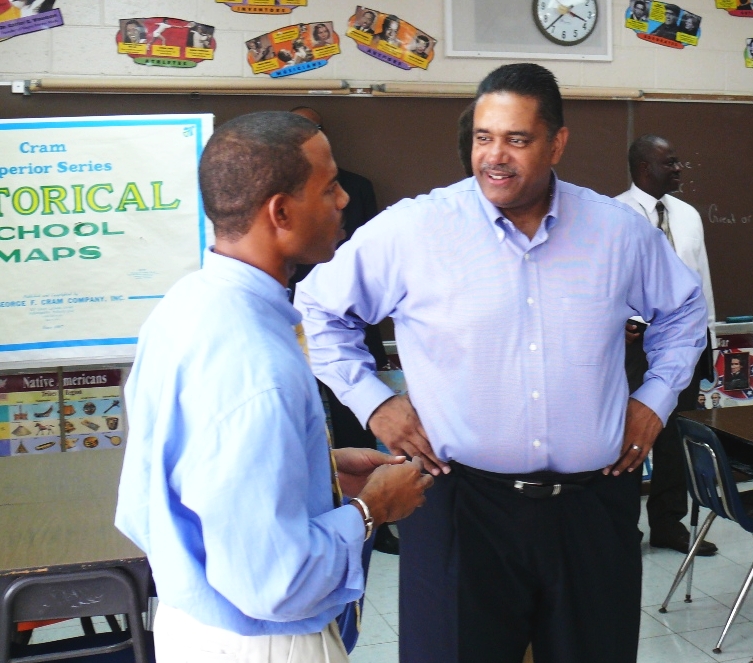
[686, 634]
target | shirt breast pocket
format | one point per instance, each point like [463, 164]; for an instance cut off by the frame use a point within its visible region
[588, 329]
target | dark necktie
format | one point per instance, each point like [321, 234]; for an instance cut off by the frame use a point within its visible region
[664, 222]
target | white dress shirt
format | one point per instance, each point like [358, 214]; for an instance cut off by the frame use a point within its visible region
[687, 233]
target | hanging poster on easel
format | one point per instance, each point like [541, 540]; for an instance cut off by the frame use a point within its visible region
[663, 23]
[293, 49]
[166, 42]
[743, 8]
[99, 216]
[22, 17]
[390, 39]
[263, 6]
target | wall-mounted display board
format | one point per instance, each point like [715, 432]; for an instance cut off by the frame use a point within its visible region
[408, 155]
[523, 29]
[99, 216]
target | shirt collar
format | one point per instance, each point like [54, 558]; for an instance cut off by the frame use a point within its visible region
[252, 279]
[646, 200]
[499, 220]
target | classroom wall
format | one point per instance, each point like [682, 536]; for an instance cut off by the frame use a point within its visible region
[85, 46]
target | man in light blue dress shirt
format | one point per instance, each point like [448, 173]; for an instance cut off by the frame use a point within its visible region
[227, 484]
[509, 292]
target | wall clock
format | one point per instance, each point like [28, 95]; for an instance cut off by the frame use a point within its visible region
[565, 23]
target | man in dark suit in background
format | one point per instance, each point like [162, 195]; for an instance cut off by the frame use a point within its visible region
[346, 429]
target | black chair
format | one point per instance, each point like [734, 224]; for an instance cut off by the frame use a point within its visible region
[40, 597]
[711, 485]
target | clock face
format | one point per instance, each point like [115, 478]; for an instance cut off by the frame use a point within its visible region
[567, 23]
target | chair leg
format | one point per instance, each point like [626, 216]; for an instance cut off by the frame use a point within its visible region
[88, 626]
[735, 609]
[693, 536]
[112, 622]
[688, 561]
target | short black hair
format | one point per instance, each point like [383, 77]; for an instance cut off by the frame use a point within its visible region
[673, 8]
[247, 161]
[641, 151]
[528, 80]
[423, 38]
[465, 138]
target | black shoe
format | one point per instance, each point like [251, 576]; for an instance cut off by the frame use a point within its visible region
[385, 541]
[680, 541]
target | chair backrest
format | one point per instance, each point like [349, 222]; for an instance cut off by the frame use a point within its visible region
[104, 591]
[709, 474]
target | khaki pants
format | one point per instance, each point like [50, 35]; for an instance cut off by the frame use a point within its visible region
[179, 638]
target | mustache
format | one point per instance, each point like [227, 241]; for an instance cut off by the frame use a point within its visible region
[498, 169]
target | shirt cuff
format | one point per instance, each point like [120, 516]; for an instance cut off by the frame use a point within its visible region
[348, 523]
[656, 395]
[366, 396]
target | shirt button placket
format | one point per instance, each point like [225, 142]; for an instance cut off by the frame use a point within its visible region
[534, 357]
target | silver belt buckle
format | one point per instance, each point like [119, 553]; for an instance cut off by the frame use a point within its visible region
[520, 486]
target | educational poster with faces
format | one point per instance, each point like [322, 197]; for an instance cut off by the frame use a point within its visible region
[31, 416]
[20, 17]
[264, 6]
[732, 385]
[390, 39]
[743, 8]
[663, 23]
[293, 49]
[99, 217]
[748, 53]
[166, 42]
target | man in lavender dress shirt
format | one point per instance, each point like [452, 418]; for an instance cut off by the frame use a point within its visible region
[509, 291]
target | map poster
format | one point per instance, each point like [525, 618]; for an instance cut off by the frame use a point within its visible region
[30, 416]
[166, 42]
[264, 6]
[742, 8]
[390, 39]
[293, 49]
[663, 23]
[21, 17]
[99, 216]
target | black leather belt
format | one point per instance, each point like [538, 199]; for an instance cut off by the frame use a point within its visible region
[538, 485]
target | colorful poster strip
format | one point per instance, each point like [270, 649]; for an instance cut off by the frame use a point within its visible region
[264, 6]
[293, 49]
[20, 17]
[30, 412]
[99, 216]
[663, 23]
[742, 8]
[749, 52]
[390, 39]
[166, 42]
